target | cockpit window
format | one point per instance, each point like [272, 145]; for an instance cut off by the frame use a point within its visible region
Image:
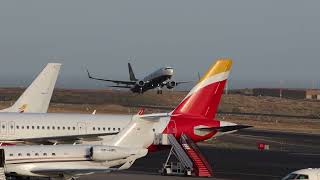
[302, 176]
[168, 68]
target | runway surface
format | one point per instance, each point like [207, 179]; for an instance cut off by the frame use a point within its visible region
[236, 157]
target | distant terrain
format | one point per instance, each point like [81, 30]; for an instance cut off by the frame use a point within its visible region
[234, 107]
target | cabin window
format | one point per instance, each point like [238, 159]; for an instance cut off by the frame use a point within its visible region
[99, 129]
[114, 129]
[19, 154]
[27, 127]
[74, 128]
[38, 127]
[58, 127]
[109, 129]
[119, 129]
[22, 127]
[104, 129]
[36, 154]
[28, 154]
[32, 127]
[48, 127]
[11, 127]
[17, 127]
[94, 128]
[43, 127]
[53, 154]
[11, 154]
[53, 128]
[3, 127]
[153, 130]
[63, 128]
[44, 154]
[69, 128]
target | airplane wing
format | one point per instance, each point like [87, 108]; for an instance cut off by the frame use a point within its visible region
[110, 80]
[65, 139]
[69, 172]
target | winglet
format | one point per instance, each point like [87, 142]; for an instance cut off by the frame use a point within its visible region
[89, 75]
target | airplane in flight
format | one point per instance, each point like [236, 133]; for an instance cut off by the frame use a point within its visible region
[73, 161]
[36, 98]
[194, 116]
[158, 79]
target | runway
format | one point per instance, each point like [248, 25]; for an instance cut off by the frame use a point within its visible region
[236, 157]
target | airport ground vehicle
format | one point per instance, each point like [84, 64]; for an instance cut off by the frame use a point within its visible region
[306, 174]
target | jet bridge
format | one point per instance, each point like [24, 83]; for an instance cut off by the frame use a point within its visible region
[188, 158]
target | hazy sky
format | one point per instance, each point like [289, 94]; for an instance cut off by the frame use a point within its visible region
[269, 40]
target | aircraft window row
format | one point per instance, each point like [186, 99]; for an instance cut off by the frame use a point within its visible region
[104, 129]
[41, 127]
[35, 154]
[60, 128]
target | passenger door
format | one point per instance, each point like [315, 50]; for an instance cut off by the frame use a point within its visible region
[172, 127]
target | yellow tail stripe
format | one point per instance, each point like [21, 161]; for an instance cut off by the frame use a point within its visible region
[222, 65]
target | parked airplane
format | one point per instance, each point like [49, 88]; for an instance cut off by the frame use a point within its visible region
[158, 79]
[36, 98]
[194, 116]
[72, 161]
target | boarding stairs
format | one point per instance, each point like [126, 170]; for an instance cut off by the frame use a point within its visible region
[189, 157]
[2, 175]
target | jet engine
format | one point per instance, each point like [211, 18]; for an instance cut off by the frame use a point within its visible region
[109, 153]
[141, 83]
[171, 84]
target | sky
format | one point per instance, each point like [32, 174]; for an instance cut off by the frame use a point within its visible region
[273, 42]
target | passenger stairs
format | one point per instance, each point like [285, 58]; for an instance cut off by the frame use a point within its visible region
[2, 175]
[189, 156]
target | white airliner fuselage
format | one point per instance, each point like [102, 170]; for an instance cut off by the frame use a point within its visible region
[59, 128]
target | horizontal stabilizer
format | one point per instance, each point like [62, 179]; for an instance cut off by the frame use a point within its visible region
[225, 128]
[156, 116]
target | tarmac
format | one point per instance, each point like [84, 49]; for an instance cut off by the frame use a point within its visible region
[237, 157]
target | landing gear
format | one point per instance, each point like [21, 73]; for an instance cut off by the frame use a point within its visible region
[159, 90]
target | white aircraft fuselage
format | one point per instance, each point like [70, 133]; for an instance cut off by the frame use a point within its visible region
[60, 127]
[46, 160]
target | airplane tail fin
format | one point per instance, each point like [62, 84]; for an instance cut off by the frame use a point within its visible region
[131, 73]
[203, 100]
[36, 98]
[137, 134]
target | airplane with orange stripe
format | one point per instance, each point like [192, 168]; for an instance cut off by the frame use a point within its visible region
[194, 117]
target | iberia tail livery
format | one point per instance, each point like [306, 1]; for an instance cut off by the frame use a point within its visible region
[195, 115]
[203, 100]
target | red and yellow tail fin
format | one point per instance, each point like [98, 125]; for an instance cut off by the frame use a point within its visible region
[203, 100]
